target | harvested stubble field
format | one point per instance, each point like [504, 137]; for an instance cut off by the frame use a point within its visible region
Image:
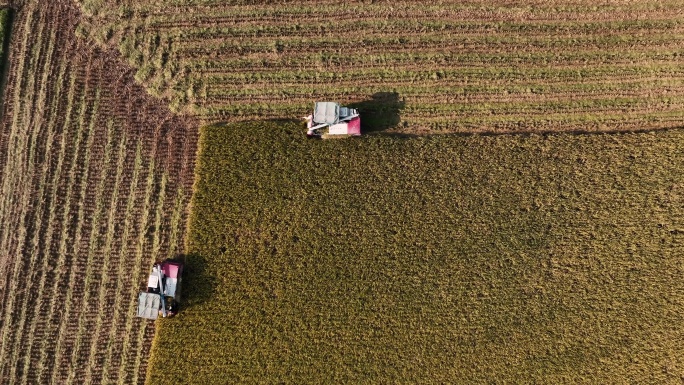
[462, 66]
[445, 259]
[95, 177]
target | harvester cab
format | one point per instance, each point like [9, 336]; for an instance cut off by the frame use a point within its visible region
[163, 291]
[330, 119]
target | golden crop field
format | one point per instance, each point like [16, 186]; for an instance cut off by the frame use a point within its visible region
[515, 214]
[484, 259]
[451, 66]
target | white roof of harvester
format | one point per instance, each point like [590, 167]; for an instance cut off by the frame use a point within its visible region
[326, 112]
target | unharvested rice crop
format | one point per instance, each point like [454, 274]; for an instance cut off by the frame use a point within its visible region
[422, 67]
[551, 259]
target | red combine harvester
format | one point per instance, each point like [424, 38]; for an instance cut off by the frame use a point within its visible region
[337, 120]
[163, 291]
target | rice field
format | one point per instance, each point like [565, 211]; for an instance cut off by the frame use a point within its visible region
[545, 251]
[432, 260]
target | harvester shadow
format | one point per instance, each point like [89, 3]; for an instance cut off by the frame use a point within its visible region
[198, 284]
[381, 112]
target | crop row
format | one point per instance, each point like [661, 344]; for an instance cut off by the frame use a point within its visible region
[14, 207]
[487, 75]
[417, 40]
[615, 116]
[446, 26]
[459, 92]
[43, 221]
[473, 106]
[302, 10]
[428, 59]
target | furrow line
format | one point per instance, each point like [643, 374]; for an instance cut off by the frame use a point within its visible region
[140, 259]
[119, 269]
[112, 219]
[74, 280]
[64, 260]
[51, 223]
[11, 169]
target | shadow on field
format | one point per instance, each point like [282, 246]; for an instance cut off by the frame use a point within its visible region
[6, 37]
[198, 285]
[381, 112]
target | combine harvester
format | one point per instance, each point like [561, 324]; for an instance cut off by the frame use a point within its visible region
[339, 121]
[163, 291]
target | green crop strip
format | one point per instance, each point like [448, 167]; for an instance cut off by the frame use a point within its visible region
[443, 259]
